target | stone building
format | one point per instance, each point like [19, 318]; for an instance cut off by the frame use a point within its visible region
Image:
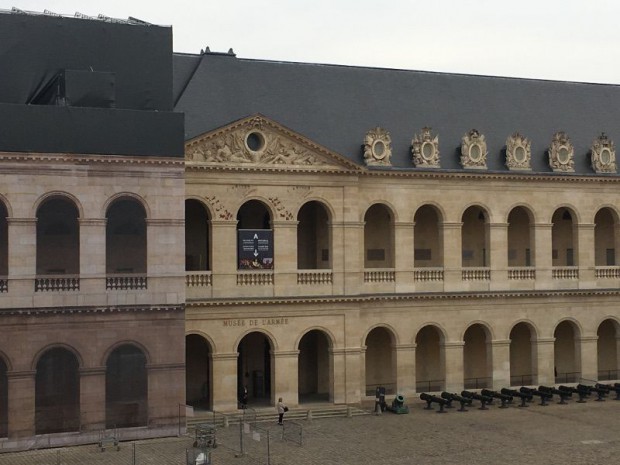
[91, 231]
[349, 228]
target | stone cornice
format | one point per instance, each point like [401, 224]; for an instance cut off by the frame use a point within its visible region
[421, 296]
[82, 159]
[89, 310]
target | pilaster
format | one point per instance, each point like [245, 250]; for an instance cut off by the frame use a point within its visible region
[588, 364]
[286, 380]
[453, 365]
[545, 361]
[500, 361]
[92, 398]
[542, 254]
[585, 253]
[498, 248]
[452, 256]
[224, 380]
[403, 257]
[21, 403]
[285, 256]
[405, 369]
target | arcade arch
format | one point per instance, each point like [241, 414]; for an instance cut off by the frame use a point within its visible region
[523, 355]
[254, 215]
[313, 237]
[4, 399]
[378, 237]
[255, 368]
[477, 357]
[380, 361]
[519, 237]
[605, 238]
[474, 238]
[428, 243]
[315, 368]
[197, 236]
[607, 350]
[563, 234]
[126, 237]
[430, 372]
[58, 237]
[198, 372]
[4, 240]
[567, 353]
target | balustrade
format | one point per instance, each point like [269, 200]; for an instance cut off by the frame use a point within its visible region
[125, 282]
[314, 277]
[476, 274]
[56, 283]
[521, 273]
[255, 278]
[565, 272]
[198, 279]
[428, 274]
[380, 275]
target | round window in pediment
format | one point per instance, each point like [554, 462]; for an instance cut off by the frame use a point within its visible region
[255, 141]
[605, 156]
[563, 155]
[378, 149]
[520, 154]
[475, 154]
[428, 150]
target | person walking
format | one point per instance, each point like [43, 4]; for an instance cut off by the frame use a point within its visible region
[281, 408]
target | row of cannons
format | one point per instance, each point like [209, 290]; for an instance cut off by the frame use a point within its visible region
[524, 394]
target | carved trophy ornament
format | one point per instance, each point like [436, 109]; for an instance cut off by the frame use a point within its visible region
[518, 152]
[603, 154]
[561, 153]
[377, 147]
[425, 149]
[473, 150]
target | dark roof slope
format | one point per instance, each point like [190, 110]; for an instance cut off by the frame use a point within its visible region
[336, 105]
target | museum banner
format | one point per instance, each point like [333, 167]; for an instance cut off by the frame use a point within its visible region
[255, 249]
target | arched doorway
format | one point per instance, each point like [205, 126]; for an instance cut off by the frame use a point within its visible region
[567, 360]
[474, 238]
[126, 237]
[428, 249]
[315, 368]
[380, 361]
[313, 237]
[564, 252]
[198, 372]
[58, 238]
[607, 350]
[519, 238]
[523, 355]
[126, 388]
[477, 358]
[255, 368]
[378, 237]
[197, 237]
[429, 360]
[57, 392]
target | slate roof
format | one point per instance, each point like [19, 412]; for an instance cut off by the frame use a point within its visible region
[335, 106]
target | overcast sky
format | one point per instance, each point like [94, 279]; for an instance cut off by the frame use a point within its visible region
[547, 39]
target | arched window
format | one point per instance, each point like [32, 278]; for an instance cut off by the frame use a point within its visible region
[255, 247]
[313, 237]
[428, 250]
[4, 244]
[126, 237]
[58, 237]
[564, 252]
[519, 238]
[378, 237]
[197, 237]
[474, 238]
[605, 238]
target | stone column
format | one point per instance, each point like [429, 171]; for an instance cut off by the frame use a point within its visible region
[353, 256]
[453, 365]
[92, 398]
[165, 260]
[166, 393]
[21, 385]
[452, 256]
[542, 255]
[588, 364]
[545, 361]
[403, 256]
[224, 379]
[224, 258]
[498, 251]
[286, 379]
[22, 239]
[285, 257]
[585, 255]
[92, 255]
[405, 369]
[500, 354]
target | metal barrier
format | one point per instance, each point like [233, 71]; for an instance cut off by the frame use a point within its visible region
[431, 385]
[477, 383]
[522, 380]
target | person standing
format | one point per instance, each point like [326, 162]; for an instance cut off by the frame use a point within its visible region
[281, 408]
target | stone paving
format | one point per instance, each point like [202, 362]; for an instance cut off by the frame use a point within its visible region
[557, 434]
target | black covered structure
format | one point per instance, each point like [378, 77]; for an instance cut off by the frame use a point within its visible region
[88, 86]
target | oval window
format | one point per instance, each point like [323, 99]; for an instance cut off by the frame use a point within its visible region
[474, 152]
[255, 141]
[605, 157]
[563, 155]
[378, 149]
[428, 150]
[520, 154]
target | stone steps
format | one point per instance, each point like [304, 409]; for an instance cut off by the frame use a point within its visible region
[268, 414]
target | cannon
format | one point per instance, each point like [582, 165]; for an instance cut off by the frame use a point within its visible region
[521, 395]
[398, 405]
[455, 397]
[484, 400]
[582, 393]
[611, 387]
[563, 394]
[504, 398]
[600, 393]
[544, 396]
[429, 399]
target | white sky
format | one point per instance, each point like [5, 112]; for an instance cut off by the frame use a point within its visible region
[548, 39]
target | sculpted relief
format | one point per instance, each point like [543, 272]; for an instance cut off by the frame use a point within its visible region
[257, 142]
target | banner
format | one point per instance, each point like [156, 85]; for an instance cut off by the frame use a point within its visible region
[255, 249]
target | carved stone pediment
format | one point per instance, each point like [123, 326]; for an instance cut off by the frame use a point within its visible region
[258, 142]
[473, 150]
[603, 154]
[425, 149]
[561, 153]
[378, 147]
[518, 152]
